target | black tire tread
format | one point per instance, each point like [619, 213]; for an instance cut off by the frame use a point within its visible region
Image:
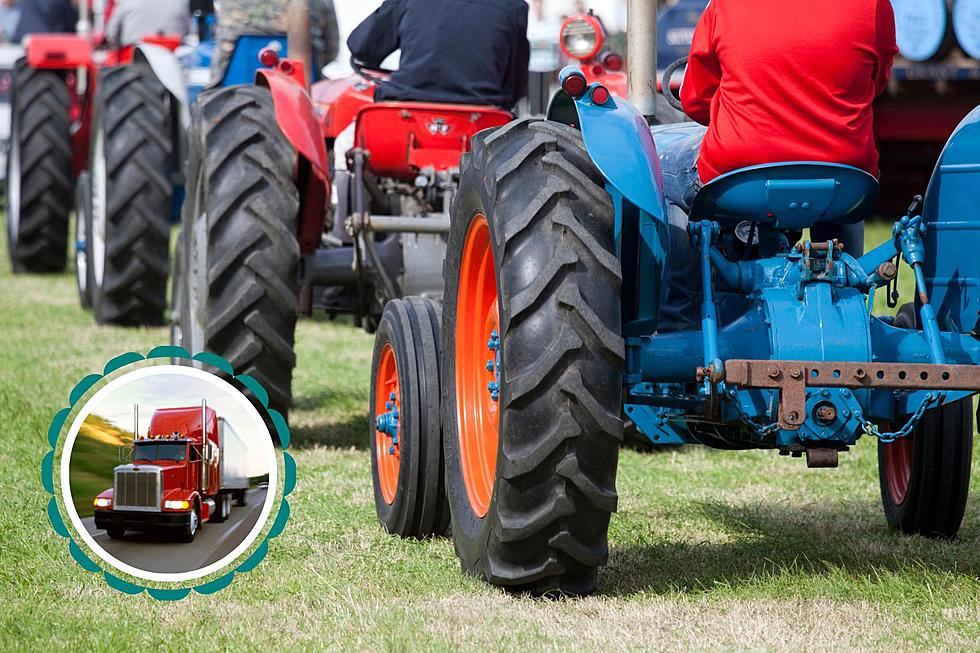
[42, 102]
[939, 484]
[561, 423]
[135, 111]
[253, 208]
[420, 508]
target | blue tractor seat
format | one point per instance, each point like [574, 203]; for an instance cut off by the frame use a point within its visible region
[794, 195]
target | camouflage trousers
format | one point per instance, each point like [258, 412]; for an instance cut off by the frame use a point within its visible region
[268, 18]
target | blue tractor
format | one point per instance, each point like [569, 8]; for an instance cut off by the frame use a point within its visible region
[502, 410]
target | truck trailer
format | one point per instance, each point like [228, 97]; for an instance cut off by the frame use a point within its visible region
[185, 471]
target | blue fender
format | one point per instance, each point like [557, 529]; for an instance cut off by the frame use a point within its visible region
[619, 142]
[952, 216]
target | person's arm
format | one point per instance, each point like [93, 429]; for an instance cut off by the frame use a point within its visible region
[376, 37]
[519, 59]
[886, 46]
[703, 74]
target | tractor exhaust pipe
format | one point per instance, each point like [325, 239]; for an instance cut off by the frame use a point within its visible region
[641, 56]
[203, 475]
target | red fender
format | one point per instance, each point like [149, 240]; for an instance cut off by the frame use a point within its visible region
[295, 116]
[60, 51]
[298, 121]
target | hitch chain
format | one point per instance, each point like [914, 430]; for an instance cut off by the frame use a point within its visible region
[889, 437]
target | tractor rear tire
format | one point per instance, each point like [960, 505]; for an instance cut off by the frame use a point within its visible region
[925, 478]
[539, 460]
[409, 481]
[132, 158]
[39, 173]
[236, 278]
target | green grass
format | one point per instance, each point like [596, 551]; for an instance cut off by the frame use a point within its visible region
[709, 550]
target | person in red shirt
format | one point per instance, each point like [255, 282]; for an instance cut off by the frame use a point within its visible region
[775, 81]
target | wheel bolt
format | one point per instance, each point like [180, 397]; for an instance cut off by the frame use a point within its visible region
[490, 365]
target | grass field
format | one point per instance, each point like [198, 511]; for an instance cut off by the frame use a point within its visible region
[709, 551]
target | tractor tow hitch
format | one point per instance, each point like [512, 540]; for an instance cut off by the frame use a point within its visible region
[792, 378]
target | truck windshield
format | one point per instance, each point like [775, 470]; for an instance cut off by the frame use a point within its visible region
[160, 451]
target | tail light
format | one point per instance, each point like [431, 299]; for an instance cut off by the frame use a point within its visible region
[613, 61]
[572, 81]
[268, 57]
[600, 94]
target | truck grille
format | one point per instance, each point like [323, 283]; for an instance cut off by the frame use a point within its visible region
[136, 488]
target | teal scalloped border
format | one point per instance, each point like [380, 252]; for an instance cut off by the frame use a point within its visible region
[47, 473]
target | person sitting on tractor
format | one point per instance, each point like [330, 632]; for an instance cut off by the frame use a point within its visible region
[804, 92]
[268, 17]
[132, 20]
[452, 51]
[46, 16]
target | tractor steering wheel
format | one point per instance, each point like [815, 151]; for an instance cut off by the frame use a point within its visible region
[672, 99]
[369, 73]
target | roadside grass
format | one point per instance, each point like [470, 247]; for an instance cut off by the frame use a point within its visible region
[709, 550]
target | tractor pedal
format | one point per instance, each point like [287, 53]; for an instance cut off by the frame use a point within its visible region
[821, 457]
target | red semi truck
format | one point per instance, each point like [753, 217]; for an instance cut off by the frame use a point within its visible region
[185, 471]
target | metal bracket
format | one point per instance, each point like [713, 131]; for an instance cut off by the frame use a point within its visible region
[792, 378]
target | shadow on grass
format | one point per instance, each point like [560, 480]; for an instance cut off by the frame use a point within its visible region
[769, 543]
[347, 434]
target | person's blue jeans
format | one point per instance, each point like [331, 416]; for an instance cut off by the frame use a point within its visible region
[678, 146]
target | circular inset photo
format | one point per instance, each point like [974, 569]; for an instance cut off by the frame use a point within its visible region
[169, 473]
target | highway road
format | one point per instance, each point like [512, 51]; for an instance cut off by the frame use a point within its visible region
[162, 553]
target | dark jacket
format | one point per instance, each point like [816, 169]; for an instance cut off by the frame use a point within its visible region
[463, 51]
[36, 16]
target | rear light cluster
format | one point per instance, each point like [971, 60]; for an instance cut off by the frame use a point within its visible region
[573, 82]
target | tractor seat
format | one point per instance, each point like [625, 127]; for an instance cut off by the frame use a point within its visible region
[794, 195]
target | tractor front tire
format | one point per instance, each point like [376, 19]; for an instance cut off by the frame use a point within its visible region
[532, 310]
[407, 470]
[925, 478]
[132, 158]
[235, 279]
[39, 175]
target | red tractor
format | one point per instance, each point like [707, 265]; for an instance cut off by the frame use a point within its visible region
[98, 130]
[261, 241]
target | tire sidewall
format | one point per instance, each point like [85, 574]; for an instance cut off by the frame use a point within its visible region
[392, 331]
[470, 531]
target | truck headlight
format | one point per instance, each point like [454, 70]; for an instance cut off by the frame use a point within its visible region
[176, 505]
[102, 502]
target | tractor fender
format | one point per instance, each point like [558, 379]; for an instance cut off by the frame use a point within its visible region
[296, 118]
[165, 66]
[58, 51]
[619, 142]
[952, 217]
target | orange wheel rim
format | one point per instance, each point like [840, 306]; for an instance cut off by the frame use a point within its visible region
[898, 468]
[387, 407]
[478, 366]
